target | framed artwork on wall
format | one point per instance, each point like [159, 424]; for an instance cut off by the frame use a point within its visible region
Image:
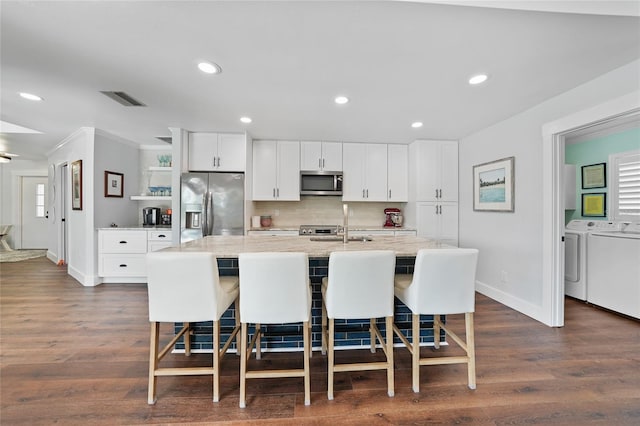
[594, 204]
[76, 185]
[594, 176]
[113, 184]
[493, 186]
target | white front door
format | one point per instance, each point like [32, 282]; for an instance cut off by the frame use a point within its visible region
[34, 212]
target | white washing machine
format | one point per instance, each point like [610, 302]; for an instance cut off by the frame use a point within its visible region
[575, 253]
[613, 268]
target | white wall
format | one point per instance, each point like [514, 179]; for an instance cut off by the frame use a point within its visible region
[80, 225]
[512, 242]
[10, 180]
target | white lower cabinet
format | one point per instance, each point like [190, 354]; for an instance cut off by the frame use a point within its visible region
[438, 221]
[122, 253]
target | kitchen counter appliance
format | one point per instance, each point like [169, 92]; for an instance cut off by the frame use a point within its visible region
[317, 230]
[151, 216]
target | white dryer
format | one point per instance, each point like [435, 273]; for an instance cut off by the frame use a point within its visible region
[575, 258]
[575, 253]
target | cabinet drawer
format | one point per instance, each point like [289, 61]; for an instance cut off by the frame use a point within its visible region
[113, 265]
[123, 242]
[158, 245]
[160, 235]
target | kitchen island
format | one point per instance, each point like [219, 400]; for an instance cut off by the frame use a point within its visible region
[351, 333]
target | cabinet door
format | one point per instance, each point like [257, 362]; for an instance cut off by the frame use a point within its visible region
[427, 219]
[428, 167]
[448, 213]
[376, 172]
[449, 171]
[265, 161]
[397, 173]
[332, 156]
[353, 172]
[232, 153]
[310, 155]
[288, 180]
[203, 151]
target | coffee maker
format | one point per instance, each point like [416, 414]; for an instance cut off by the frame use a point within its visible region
[393, 217]
[151, 216]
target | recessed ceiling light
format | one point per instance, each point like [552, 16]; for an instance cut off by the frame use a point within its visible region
[416, 124]
[30, 96]
[209, 68]
[477, 79]
[341, 100]
[246, 120]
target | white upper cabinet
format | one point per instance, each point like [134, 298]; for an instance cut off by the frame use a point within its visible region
[397, 173]
[364, 172]
[321, 156]
[436, 170]
[217, 152]
[276, 170]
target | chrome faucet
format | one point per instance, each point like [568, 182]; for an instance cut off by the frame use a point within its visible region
[345, 224]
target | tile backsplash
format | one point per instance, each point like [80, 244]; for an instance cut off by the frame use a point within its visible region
[316, 210]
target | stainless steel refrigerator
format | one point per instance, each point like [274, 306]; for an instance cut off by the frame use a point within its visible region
[211, 204]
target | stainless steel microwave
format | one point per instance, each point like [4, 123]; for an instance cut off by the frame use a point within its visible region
[320, 183]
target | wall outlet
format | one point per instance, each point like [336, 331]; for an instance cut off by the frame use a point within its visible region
[504, 276]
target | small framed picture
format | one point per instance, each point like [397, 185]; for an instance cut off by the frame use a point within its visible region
[493, 186]
[76, 185]
[594, 204]
[594, 176]
[113, 184]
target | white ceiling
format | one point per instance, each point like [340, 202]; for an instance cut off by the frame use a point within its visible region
[284, 62]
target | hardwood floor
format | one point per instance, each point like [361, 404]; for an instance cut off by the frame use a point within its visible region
[74, 355]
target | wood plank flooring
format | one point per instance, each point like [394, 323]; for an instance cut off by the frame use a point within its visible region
[79, 356]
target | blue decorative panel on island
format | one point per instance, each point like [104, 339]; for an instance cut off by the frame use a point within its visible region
[349, 333]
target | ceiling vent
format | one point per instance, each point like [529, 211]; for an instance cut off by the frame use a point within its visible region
[167, 139]
[123, 98]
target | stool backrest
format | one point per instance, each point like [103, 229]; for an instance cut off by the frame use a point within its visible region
[183, 287]
[444, 280]
[274, 287]
[360, 284]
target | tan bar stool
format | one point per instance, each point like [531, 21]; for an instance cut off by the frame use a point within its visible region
[185, 287]
[359, 285]
[443, 283]
[275, 289]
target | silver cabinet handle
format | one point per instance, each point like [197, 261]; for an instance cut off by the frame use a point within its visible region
[436, 209]
[363, 193]
[319, 163]
[440, 194]
[436, 193]
[389, 193]
[367, 193]
[278, 192]
[274, 193]
[323, 163]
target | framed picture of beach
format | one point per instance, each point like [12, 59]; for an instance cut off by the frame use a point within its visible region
[493, 186]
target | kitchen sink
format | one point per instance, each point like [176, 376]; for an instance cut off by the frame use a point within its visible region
[356, 239]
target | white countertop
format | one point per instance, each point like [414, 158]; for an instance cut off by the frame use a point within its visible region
[351, 228]
[231, 246]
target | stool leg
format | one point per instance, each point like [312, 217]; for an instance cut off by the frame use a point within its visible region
[436, 331]
[372, 334]
[307, 355]
[153, 362]
[324, 329]
[237, 315]
[216, 361]
[243, 364]
[471, 349]
[330, 360]
[415, 352]
[389, 338]
[258, 343]
[187, 341]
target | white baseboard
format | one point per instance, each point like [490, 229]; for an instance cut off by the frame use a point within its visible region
[511, 301]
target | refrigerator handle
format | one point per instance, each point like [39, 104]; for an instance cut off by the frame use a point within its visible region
[208, 214]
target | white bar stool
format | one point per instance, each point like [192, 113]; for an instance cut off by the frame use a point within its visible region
[443, 283]
[275, 289]
[359, 285]
[185, 287]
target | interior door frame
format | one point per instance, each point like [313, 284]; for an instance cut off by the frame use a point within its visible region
[553, 194]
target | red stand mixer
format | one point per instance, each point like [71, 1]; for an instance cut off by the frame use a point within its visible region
[393, 218]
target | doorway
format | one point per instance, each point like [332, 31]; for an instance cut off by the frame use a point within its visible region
[554, 134]
[33, 220]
